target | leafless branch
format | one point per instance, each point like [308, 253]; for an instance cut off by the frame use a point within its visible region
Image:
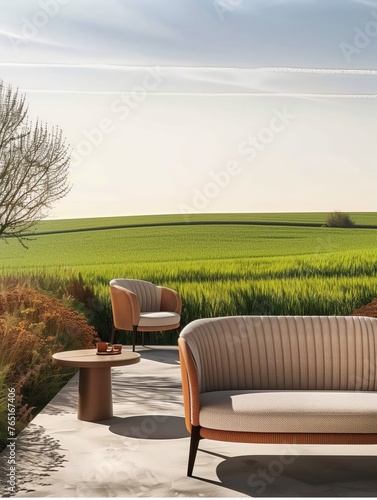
[34, 165]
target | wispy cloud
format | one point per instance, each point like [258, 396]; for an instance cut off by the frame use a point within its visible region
[111, 67]
[119, 67]
[167, 32]
[323, 71]
[186, 80]
[209, 94]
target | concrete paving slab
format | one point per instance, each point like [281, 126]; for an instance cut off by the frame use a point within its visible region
[142, 451]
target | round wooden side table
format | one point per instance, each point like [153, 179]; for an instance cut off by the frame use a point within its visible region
[95, 393]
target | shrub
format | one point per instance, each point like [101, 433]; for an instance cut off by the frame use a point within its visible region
[339, 219]
[32, 327]
[367, 310]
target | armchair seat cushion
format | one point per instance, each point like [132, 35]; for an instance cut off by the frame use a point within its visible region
[290, 411]
[158, 318]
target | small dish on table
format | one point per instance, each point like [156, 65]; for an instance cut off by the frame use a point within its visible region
[105, 348]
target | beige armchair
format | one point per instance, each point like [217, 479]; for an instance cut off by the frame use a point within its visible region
[141, 306]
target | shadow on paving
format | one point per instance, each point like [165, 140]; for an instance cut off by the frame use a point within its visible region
[304, 476]
[146, 390]
[38, 457]
[167, 356]
[148, 427]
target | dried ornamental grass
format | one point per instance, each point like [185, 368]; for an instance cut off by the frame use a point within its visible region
[32, 327]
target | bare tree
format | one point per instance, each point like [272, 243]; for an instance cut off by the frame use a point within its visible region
[34, 164]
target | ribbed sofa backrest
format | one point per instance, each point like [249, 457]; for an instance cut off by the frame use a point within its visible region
[149, 295]
[284, 352]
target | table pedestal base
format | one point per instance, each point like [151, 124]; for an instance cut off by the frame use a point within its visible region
[95, 396]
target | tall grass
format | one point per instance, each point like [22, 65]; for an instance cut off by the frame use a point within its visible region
[329, 283]
[218, 270]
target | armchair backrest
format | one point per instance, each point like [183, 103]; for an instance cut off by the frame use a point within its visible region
[284, 352]
[148, 294]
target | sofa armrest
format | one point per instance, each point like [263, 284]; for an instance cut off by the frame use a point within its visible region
[170, 300]
[190, 385]
[125, 306]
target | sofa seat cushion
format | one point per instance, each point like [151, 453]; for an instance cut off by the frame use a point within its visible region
[290, 411]
[159, 318]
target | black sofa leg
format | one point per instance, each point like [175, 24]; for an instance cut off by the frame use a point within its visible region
[194, 443]
[134, 331]
[112, 334]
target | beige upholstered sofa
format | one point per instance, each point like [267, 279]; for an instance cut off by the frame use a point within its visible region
[280, 379]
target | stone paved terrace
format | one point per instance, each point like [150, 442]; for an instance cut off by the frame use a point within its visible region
[142, 451]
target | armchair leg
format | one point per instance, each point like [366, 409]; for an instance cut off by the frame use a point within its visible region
[112, 334]
[134, 330]
[194, 443]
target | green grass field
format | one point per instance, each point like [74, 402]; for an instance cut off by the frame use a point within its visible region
[221, 264]
[316, 218]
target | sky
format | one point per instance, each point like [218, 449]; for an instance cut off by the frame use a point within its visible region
[200, 106]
